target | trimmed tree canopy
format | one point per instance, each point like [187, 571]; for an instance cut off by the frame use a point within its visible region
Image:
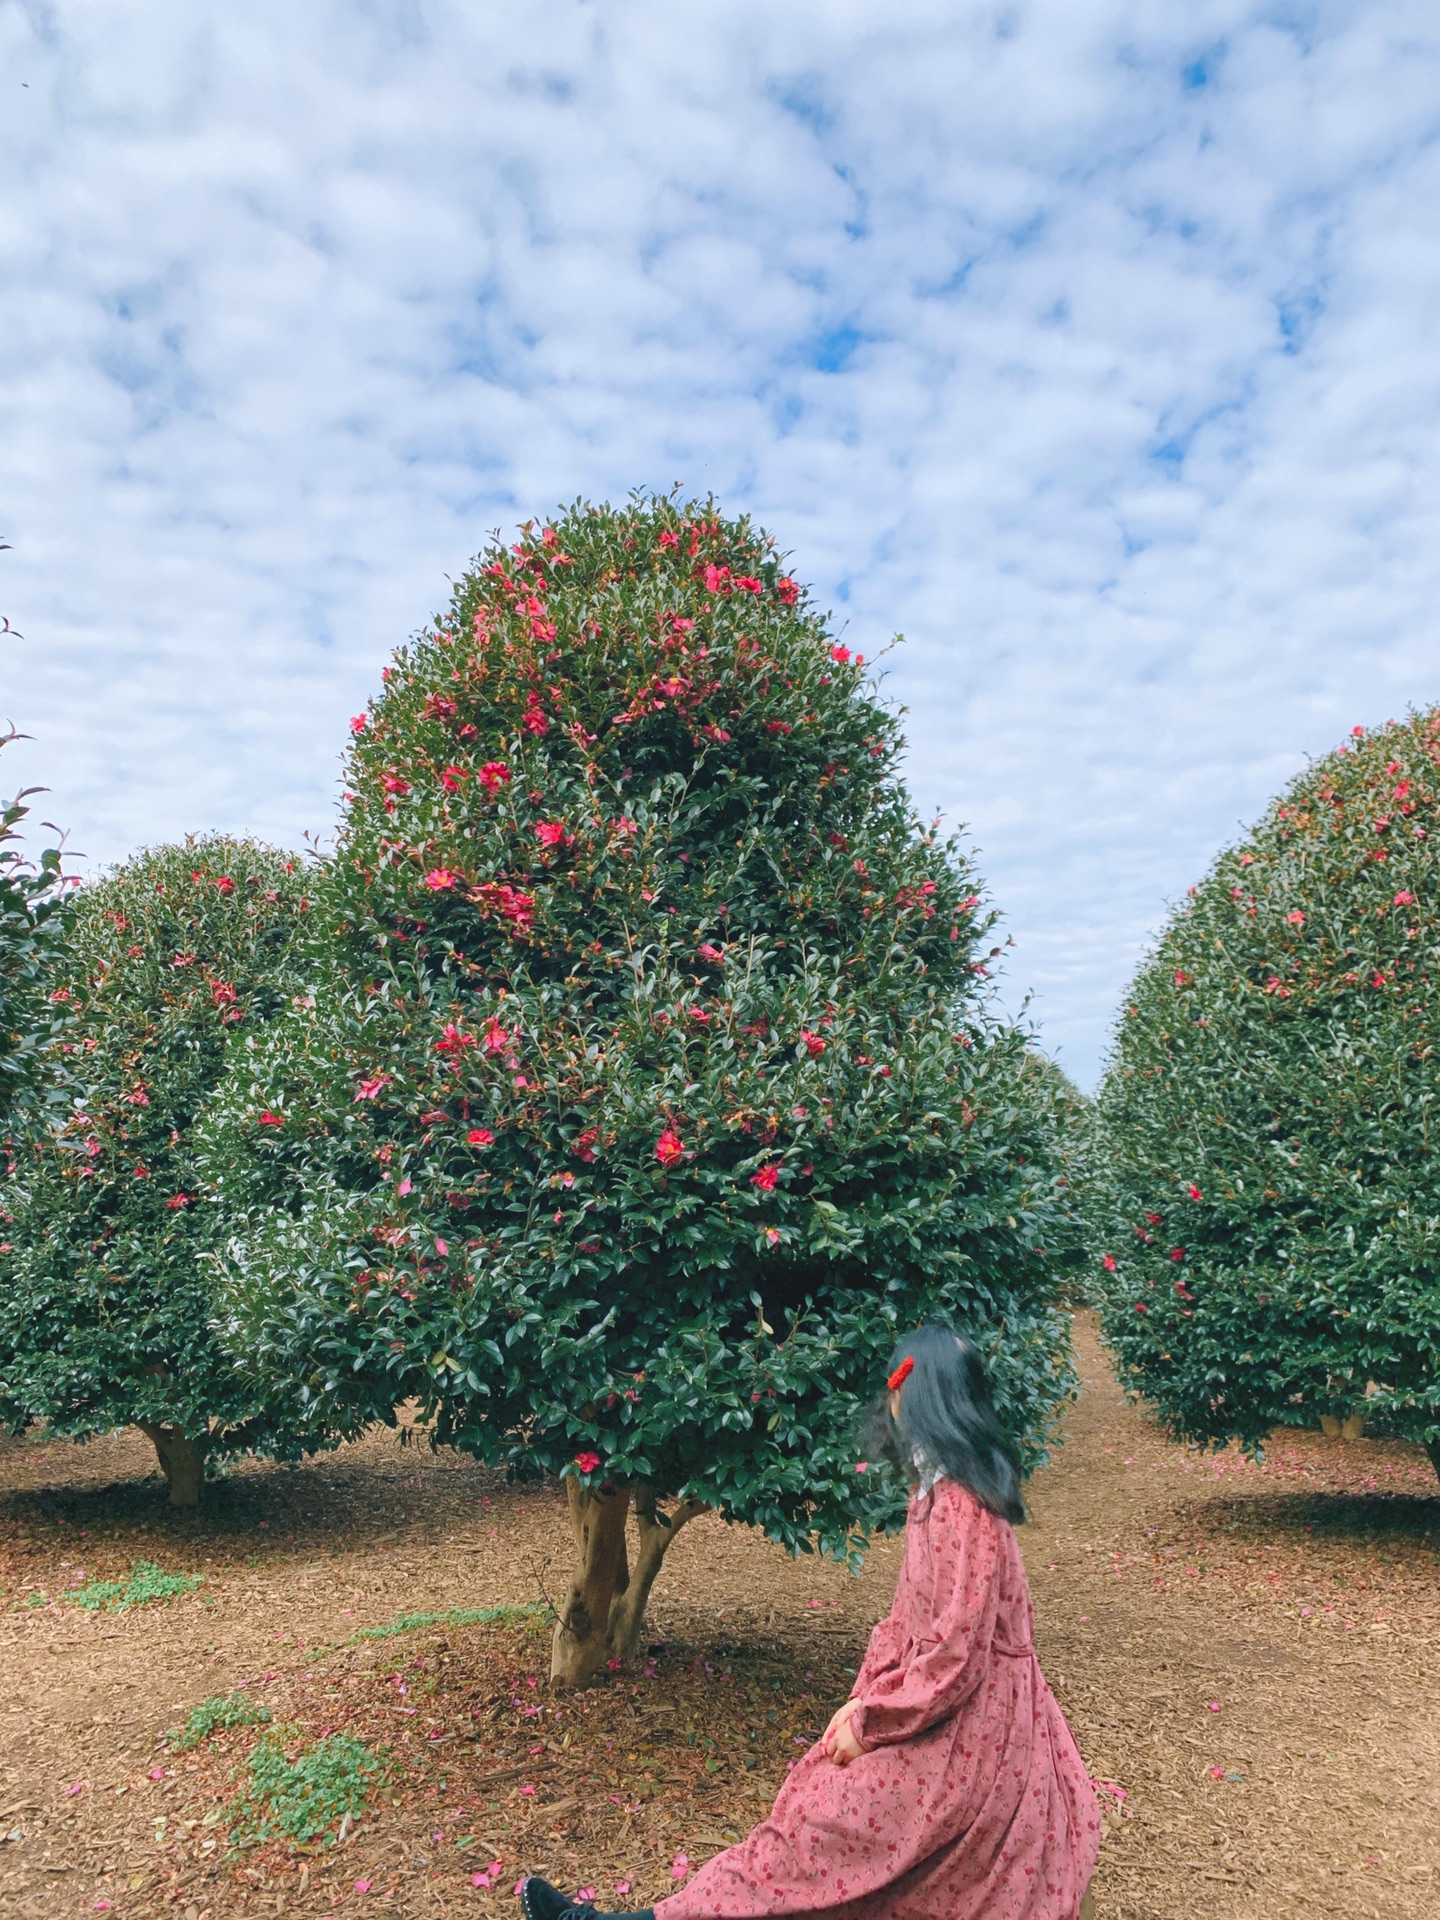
[104, 1284]
[651, 1091]
[1269, 1210]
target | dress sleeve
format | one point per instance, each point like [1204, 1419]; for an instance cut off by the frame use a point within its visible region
[952, 1649]
[882, 1652]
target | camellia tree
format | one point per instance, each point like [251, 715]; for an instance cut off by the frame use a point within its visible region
[653, 1087]
[105, 1283]
[1266, 1171]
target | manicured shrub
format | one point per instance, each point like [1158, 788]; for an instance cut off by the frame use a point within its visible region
[105, 1279]
[1266, 1187]
[31, 929]
[654, 1084]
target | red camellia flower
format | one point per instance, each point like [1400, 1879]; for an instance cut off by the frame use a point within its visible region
[747, 583]
[268, 1119]
[357, 725]
[712, 954]
[534, 718]
[1404, 899]
[1109, 1262]
[223, 994]
[1194, 1191]
[494, 775]
[1153, 1218]
[668, 539]
[372, 1089]
[767, 1176]
[587, 1462]
[842, 654]
[451, 777]
[788, 590]
[812, 1042]
[225, 884]
[1296, 918]
[551, 833]
[439, 879]
[669, 1148]
[584, 1148]
[393, 783]
[454, 1040]
[176, 1201]
[480, 1137]
[1177, 1253]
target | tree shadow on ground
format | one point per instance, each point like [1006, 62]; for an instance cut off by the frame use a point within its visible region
[1402, 1520]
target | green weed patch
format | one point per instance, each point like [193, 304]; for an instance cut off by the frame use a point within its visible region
[304, 1798]
[145, 1586]
[453, 1617]
[217, 1714]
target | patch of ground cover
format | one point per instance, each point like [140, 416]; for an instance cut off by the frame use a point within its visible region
[487, 1774]
[1275, 1764]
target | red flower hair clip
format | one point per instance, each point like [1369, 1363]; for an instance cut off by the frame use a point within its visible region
[901, 1374]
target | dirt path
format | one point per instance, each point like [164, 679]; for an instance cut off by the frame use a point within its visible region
[1249, 1654]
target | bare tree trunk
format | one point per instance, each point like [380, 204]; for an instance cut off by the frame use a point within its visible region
[1432, 1447]
[182, 1461]
[657, 1530]
[597, 1518]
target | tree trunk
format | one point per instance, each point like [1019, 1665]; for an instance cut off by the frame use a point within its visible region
[1432, 1447]
[182, 1461]
[597, 1518]
[657, 1530]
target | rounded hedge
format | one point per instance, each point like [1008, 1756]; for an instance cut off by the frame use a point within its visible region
[652, 1084]
[1267, 1190]
[105, 1285]
[32, 918]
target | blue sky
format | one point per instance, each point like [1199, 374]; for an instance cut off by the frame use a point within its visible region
[1090, 345]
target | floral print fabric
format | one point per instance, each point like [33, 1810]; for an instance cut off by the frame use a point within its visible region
[969, 1800]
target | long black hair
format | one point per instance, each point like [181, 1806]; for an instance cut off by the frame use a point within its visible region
[947, 1416]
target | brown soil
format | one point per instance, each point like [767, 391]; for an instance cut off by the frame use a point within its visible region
[1248, 1655]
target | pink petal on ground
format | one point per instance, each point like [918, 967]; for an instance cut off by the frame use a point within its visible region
[363, 1886]
[585, 1893]
[680, 1866]
[622, 1886]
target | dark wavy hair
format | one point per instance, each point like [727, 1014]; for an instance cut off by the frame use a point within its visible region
[947, 1414]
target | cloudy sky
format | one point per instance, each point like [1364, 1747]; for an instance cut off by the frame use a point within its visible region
[1092, 344]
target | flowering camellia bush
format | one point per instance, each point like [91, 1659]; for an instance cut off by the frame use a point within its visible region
[31, 929]
[104, 1281]
[1267, 1186]
[651, 1089]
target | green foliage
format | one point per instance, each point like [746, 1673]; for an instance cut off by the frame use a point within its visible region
[452, 1617]
[32, 925]
[145, 1586]
[218, 1714]
[649, 1084]
[1267, 1200]
[302, 1798]
[104, 1274]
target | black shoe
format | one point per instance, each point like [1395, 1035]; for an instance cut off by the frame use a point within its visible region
[540, 1901]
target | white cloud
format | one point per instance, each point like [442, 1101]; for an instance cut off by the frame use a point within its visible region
[1089, 344]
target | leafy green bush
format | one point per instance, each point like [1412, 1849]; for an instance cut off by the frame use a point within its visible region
[218, 1714]
[104, 1271]
[302, 1798]
[1267, 1190]
[32, 924]
[653, 1084]
[145, 1586]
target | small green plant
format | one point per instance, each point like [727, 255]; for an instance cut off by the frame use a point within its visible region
[303, 1798]
[452, 1617]
[146, 1585]
[217, 1714]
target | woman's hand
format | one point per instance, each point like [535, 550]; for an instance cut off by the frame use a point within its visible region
[838, 1741]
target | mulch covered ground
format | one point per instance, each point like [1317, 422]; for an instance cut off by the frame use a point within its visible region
[1248, 1655]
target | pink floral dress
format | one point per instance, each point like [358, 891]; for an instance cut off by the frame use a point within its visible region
[969, 1799]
